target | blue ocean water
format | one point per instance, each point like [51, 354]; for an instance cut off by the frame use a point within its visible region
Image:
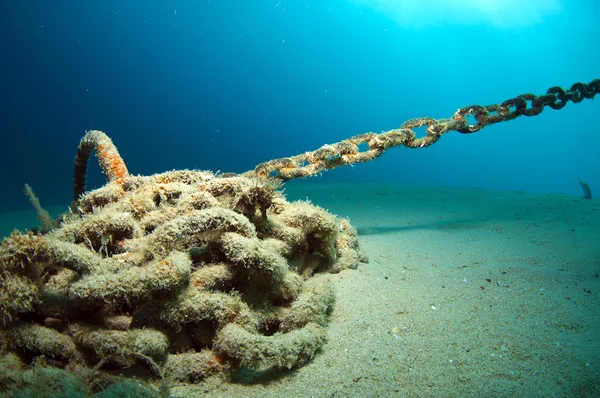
[225, 85]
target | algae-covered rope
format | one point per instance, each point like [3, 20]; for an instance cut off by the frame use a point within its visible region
[108, 157]
[346, 152]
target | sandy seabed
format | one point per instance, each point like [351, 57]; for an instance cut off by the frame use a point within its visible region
[467, 293]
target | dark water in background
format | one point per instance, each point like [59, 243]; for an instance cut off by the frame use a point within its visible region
[224, 85]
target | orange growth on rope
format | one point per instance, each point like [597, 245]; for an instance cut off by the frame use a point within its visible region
[108, 156]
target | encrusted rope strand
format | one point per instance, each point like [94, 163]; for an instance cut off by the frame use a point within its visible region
[108, 157]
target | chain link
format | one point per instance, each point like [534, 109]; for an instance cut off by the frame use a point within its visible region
[347, 152]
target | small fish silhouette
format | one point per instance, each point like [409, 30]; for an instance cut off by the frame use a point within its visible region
[587, 192]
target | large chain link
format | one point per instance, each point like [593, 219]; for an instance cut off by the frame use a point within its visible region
[347, 152]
